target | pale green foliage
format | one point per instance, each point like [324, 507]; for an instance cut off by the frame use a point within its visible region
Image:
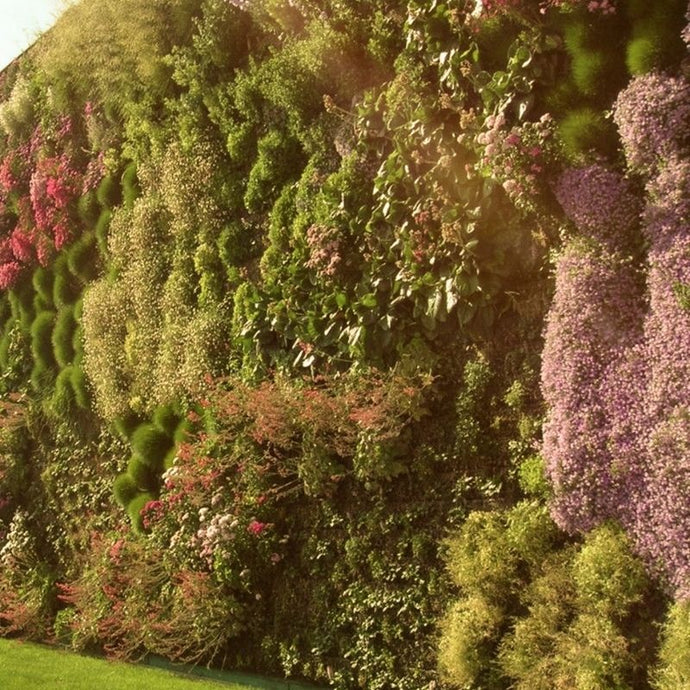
[468, 628]
[113, 49]
[17, 112]
[673, 671]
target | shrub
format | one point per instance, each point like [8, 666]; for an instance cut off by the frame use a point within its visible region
[101, 231]
[124, 489]
[41, 345]
[470, 630]
[126, 425]
[42, 281]
[80, 387]
[66, 288]
[88, 209]
[134, 508]
[584, 131]
[150, 444]
[62, 336]
[108, 193]
[673, 670]
[82, 258]
[166, 419]
[130, 185]
[63, 399]
[145, 478]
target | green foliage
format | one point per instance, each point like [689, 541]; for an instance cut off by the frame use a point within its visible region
[655, 42]
[41, 344]
[145, 478]
[469, 630]
[88, 209]
[66, 288]
[572, 608]
[585, 131]
[108, 192]
[166, 419]
[134, 508]
[42, 282]
[150, 444]
[62, 401]
[130, 185]
[101, 231]
[124, 489]
[83, 258]
[62, 336]
[673, 669]
[80, 387]
[279, 158]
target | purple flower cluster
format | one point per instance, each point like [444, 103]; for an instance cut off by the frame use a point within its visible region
[653, 118]
[600, 202]
[616, 361]
[595, 312]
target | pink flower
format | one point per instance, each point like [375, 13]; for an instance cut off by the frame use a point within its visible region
[256, 527]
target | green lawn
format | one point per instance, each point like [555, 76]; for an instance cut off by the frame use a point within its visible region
[26, 666]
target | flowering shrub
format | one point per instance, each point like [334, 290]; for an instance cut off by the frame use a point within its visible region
[518, 158]
[617, 440]
[596, 312]
[600, 202]
[653, 118]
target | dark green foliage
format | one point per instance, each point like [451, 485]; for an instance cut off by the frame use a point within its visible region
[41, 343]
[101, 231]
[279, 160]
[591, 71]
[130, 185]
[144, 477]
[88, 209]
[21, 303]
[166, 419]
[585, 131]
[126, 426]
[66, 288]
[150, 444]
[42, 282]
[124, 489]
[83, 258]
[62, 336]
[108, 192]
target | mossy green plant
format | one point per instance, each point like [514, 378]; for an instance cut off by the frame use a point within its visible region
[108, 192]
[41, 376]
[142, 474]
[584, 131]
[124, 489]
[41, 342]
[134, 508]
[88, 209]
[66, 287]
[62, 401]
[130, 185]
[151, 444]
[42, 281]
[166, 419]
[126, 425]
[101, 231]
[83, 258]
[80, 387]
[62, 336]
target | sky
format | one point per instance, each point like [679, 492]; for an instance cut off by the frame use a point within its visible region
[21, 21]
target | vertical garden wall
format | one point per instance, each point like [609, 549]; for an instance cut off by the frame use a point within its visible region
[348, 341]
